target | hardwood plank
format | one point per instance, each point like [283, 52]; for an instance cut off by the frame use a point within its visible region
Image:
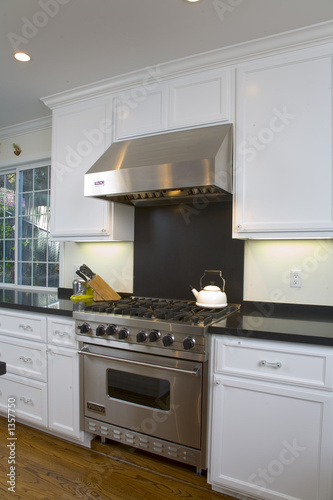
[49, 468]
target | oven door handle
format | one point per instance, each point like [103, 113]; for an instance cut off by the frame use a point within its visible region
[195, 372]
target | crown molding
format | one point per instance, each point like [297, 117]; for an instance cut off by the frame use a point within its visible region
[25, 127]
[311, 36]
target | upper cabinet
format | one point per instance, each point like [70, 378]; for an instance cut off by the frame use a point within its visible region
[201, 98]
[80, 134]
[140, 110]
[283, 168]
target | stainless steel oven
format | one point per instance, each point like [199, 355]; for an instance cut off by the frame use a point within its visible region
[144, 375]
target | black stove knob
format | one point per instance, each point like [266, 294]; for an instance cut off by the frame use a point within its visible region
[141, 336]
[168, 340]
[123, 333]
[188, 343]
[111, 330]
[154, 335]
[84, 328]
[100, 330]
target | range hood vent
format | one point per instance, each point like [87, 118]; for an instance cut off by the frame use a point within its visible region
[169, 168]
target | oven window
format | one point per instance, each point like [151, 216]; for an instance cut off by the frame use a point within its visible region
[138, 389]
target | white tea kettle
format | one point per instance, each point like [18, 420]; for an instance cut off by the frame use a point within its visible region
[211, 296]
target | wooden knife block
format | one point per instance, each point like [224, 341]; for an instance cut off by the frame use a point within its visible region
[101, 290]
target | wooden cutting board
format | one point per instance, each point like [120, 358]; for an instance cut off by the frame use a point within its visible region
[102, 291]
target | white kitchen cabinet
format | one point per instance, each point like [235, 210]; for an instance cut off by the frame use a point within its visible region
[81, 133]
[194, 100]
[24, 357]
[63, 390]
[30, 398]
[202, 98]
[63, 378]
[140, 110]
[283, 169]
[271, 427]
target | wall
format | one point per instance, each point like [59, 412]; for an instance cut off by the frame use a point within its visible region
[34, 145]
[268, 265]
[112, 260]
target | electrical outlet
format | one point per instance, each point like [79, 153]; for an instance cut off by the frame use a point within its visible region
[295, 278]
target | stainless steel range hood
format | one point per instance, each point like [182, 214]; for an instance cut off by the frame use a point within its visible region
[168, 168]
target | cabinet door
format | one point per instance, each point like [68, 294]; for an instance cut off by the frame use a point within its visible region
[199, 99]
[283, 175]
[23, 357]
[61, 332]
[63, 387]
[30, 398]
[141, 110]
[81, 133]
[270, 441]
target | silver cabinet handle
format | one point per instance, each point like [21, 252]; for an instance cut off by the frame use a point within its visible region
[267, 363]
[26, 327]
[195, 371]
[61, 334]
[218, 382]
[25, 360]
[27, 401]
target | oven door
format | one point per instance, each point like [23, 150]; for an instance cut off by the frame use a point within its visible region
[153, 395]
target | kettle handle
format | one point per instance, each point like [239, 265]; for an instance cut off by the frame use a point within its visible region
[213, 271]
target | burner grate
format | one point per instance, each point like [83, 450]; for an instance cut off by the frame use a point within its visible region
[169, 310]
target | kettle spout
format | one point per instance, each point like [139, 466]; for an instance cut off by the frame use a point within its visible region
[195, 292]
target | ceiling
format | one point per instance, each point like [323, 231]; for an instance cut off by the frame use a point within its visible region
[78, 42]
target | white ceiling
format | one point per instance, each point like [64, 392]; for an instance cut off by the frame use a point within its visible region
[77, 42]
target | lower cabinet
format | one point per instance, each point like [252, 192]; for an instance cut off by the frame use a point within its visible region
[30, 398]
[271, 438]
[63, 389]
[43, 376]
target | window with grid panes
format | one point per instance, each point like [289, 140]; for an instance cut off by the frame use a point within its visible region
[27, 257]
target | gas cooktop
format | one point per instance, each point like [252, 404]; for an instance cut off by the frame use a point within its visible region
[170, 310]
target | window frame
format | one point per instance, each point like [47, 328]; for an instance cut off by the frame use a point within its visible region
[16, 168]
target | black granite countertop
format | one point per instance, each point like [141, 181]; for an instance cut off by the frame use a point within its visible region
[284, 322]
[42, 302]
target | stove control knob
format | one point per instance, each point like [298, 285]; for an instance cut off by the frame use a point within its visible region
[111, 330]
[141, 336]
[188, 343]
[100, 330]
[154, 335]
[168, 340]
[84, 328]
[123, 333]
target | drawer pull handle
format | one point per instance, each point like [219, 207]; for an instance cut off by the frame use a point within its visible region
[61, 334]
[26, 327]
[267, 363]
[27, 401]
[25, 360]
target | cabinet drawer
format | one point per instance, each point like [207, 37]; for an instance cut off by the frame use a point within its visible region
[300, 364]
[61, 332]
[23, 357]
[23, 325]
[30, 398]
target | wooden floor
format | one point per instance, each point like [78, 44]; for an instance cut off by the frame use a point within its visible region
[49, 468]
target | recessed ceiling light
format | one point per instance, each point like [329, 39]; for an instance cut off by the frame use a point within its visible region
[192, 1]
[21, 56]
